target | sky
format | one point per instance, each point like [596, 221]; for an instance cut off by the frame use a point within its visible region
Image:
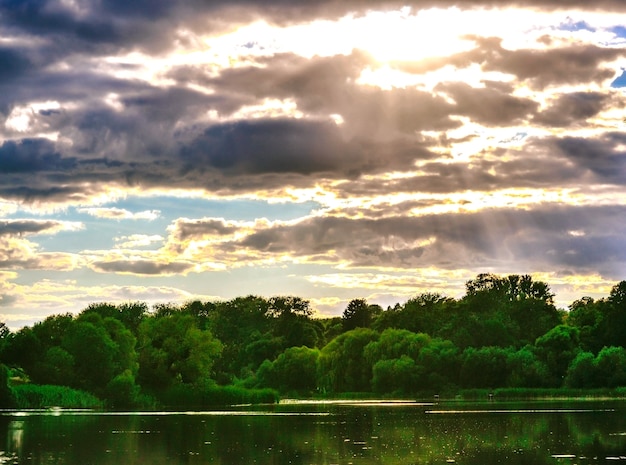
[165, 152]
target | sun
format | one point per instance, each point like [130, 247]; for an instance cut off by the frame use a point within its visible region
[400, 36]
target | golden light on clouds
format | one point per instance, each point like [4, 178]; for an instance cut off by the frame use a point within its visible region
[334, 148]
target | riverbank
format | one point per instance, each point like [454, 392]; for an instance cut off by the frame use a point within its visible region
[487, 394]
[31, 396]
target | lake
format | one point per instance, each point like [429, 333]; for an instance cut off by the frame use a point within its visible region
[583, 432]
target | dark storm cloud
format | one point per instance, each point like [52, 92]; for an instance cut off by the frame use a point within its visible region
[490, 106]
[189, 229]
[32, 155]
[78, 86]
[25, 190]
[26, 227]
[270, 146]
[540, 68]
[569, 109]
[537, 164]
[170, 105]
[111, 149]
[141, 267]
[152, 136]
[317, 83]
[550, 237]
[604, 157]
[571, 64]
[13, 64]
[88, 26]
[294, 146]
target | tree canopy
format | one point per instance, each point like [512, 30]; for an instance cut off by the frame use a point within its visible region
[504, 332]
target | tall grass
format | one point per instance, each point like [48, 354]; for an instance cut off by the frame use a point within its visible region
[541, 393]
[211, 396]
[44, 396]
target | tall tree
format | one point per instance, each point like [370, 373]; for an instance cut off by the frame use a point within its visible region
[358, 314]
[342, 363]
[557, 348]
[516, 309]
[172, 350]
[614, 321]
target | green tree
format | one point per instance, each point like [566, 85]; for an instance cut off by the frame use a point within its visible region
[614, 321]
[399, 376]
[125, 355]
[395, 343]
[130, 314]
[525, 369]
[291, 320]
[342, 365]
[122, 391]
[586, 314]
[236, 324]
[509, 310]
[51, 331]
[425, 313]
[581, 372]
[7, 396]
[293, 370]
[23, 349]
[57, 367]
[484, 367]
[441, 364]
[358, 314]
[610, 366]
[172, 350]
[557, 348]
[262, 347]
[93, 353]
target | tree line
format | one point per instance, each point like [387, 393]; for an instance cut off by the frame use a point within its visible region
[504, 332]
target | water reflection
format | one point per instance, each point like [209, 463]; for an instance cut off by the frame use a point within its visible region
[325, 433]
[15, 437]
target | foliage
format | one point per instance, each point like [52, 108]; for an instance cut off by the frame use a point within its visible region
[394, 343]
[184, 395]
[504, 333]
[358, 314]
[122, 391]
[342, 365]
[607, 369]
[398, 375]
[294, 370]
[557, 348]
[483, 368]
[7, 394]
[524, 369]
[45, 396]
[174, 351]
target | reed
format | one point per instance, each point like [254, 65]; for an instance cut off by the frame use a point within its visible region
[211, 396]
[29, 396]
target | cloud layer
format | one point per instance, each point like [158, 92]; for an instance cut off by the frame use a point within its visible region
[454, 137]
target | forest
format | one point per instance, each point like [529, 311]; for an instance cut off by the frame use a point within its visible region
[505, 332]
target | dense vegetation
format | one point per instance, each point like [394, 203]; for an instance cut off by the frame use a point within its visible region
[504, 333]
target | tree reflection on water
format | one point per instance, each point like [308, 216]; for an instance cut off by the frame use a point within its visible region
[325, 433]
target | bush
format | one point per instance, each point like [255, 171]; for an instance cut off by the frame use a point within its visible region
[7, 395]
[122, 391]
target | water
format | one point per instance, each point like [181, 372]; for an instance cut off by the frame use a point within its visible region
[325, 433]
